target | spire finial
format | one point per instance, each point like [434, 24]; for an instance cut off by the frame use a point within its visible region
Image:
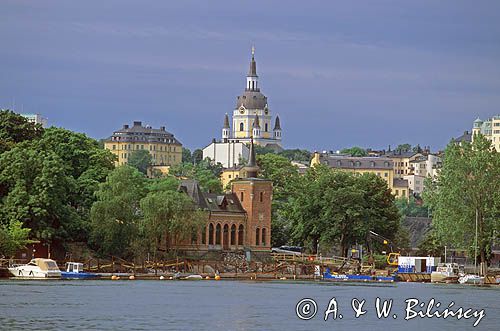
[253, 50]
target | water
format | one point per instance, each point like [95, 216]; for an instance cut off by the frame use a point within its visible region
[227, 305]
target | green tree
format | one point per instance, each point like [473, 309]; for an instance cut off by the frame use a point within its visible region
[116, 214]
[300, 155]
[197, 156]
[141, 160]
[354, 151]
[403, 148]
[15, 128]
[186, 155]
[409, 207]
[169, 217]
[206, 173]
[467, 190]
[13, 237]
[339, 208]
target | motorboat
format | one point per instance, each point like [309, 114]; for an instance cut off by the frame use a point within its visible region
[471, 279]
[74, 270]
[332, 276]
[37, 269]
[445, 273]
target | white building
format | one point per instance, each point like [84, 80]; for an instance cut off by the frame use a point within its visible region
[229, 153]
[415, 183]
[36, 118]
[426, 165]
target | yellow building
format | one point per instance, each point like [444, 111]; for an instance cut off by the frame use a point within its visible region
[403, 164]
[230, 174]
[383, 167]
[164, 148]
[490, 129]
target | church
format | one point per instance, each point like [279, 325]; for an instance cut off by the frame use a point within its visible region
[252, 116]
[251, 119]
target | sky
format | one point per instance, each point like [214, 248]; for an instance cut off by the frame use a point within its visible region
[339, 73]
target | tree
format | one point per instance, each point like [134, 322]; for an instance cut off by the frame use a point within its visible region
[116, 214]
[467, 191]
[300, 155]
[409, 207]
[354, 151]
[13, 237]
[169, 216]
[206, 173]
[197, 156]
[15, 128]
[403, 148]
[334, 207]
[141, 160]
[186, 155]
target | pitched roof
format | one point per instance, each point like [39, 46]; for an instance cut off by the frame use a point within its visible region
[227, 202]
[353, 162]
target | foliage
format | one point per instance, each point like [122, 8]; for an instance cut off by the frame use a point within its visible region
[467, 188]
[206, 173]
[300, 155]
[403, 148]
[115, 214]
[15, 128]
[186, 155]
[339, 208]
[410, 207]
[141, 160]
[430, 245]
[13, 237]
[354, 151]
[197, 156]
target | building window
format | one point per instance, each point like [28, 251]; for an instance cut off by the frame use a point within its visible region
[233, 235]
[385, 174]
[241, 126]
[266, 127]
[217, 234]
[261, 196]
[241, 196]
[204, 235]
[240, 234]
[114, 147]
[403, 193]
[397, 192]
[263, 237]
[211, 234]
[257, 237]
[229, 176]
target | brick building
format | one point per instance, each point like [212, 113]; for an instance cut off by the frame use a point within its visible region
[238, 220]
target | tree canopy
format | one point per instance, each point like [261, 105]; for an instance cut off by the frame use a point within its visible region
[467, 189]
[141, 160]
[354, 151]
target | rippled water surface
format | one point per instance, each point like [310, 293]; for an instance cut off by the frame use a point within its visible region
[228, 305]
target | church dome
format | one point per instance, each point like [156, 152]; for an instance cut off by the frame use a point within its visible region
[251, 100]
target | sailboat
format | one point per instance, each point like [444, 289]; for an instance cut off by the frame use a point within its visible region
[474, 279]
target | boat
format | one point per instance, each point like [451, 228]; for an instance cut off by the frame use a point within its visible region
[74, 270]
[445, 273]
[327, 275]
[471, 279]
[180, 276]
[36, 269]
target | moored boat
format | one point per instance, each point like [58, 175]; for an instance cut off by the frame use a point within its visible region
[74, 270]
[36, 269]
[445, 273]
[327, 275]
[471, 279]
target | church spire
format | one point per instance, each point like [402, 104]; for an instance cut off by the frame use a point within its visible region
[252, 77]
[226, 122]
[251, 168]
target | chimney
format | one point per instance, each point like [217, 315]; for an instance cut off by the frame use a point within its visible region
[162, 128]
[137, 123]
[125, 126]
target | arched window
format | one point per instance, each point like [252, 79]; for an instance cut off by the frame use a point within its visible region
[266, 127]
[241, 126]
[264, 237]
[217, 234]
[211, 234]
[233, 235]
[204, 235]
[257, 237]
[261, 196]
[240, 234]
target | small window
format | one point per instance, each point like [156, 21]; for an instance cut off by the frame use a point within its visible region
[241, 196]
[261, 196]
[241, 126]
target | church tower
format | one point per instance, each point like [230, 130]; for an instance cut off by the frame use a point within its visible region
[226, 129]
[252, 116]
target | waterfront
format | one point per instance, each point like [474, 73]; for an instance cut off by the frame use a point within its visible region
[227, 305]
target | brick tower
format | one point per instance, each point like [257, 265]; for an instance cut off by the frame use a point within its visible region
[255, 195]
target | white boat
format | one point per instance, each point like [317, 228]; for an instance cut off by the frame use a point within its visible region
[471, 279]
[445, 273]
[36, 269]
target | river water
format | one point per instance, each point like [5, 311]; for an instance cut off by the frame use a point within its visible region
[233, 305]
